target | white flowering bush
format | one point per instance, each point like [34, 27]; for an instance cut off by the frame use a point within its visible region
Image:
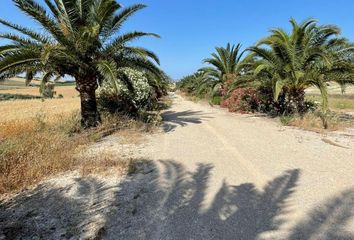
[142, 89]
[116, 96]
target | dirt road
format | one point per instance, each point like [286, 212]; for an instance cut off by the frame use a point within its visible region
[247, 177]
[211, 174]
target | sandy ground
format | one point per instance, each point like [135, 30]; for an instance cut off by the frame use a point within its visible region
[208, 174]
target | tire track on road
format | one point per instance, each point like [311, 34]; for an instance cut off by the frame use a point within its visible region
[260, 179]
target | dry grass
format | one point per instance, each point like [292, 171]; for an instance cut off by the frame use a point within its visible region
[16, 82]
[25, 109]
[40, 138]
[16, 86]
[31, 149]
[336, 100]
[312, 122]
[341, 103]
[66, 91]
[333, 89]
[338, 103]
[131, 136]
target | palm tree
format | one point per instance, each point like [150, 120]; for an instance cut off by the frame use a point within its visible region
[225, 66]
[192, 84]
[310, 55]
[81, 39]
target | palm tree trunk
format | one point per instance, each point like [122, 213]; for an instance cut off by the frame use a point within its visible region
[90, 116]
[297, 100]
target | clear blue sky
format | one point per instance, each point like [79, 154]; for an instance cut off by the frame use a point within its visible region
[190, 29]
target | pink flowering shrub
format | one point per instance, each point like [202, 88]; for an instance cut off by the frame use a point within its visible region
[242, 100]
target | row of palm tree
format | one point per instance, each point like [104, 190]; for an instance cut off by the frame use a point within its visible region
[82, 39]
[223, 67]
[284, 63]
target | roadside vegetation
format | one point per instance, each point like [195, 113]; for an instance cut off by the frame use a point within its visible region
[117, 86]
[32, 149]
[81, 39]
[272, 77]
[40, 138]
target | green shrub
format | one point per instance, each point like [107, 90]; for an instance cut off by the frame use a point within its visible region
[284, 105]
[216, 100]
[286, 119]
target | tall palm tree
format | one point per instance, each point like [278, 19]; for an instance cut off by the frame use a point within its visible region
[82, 39]
[225, 65]
[310, 55]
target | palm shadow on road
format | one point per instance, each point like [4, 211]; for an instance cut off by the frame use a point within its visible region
[328, 221]
[172, 119]
[172, 208]
[168, 204]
